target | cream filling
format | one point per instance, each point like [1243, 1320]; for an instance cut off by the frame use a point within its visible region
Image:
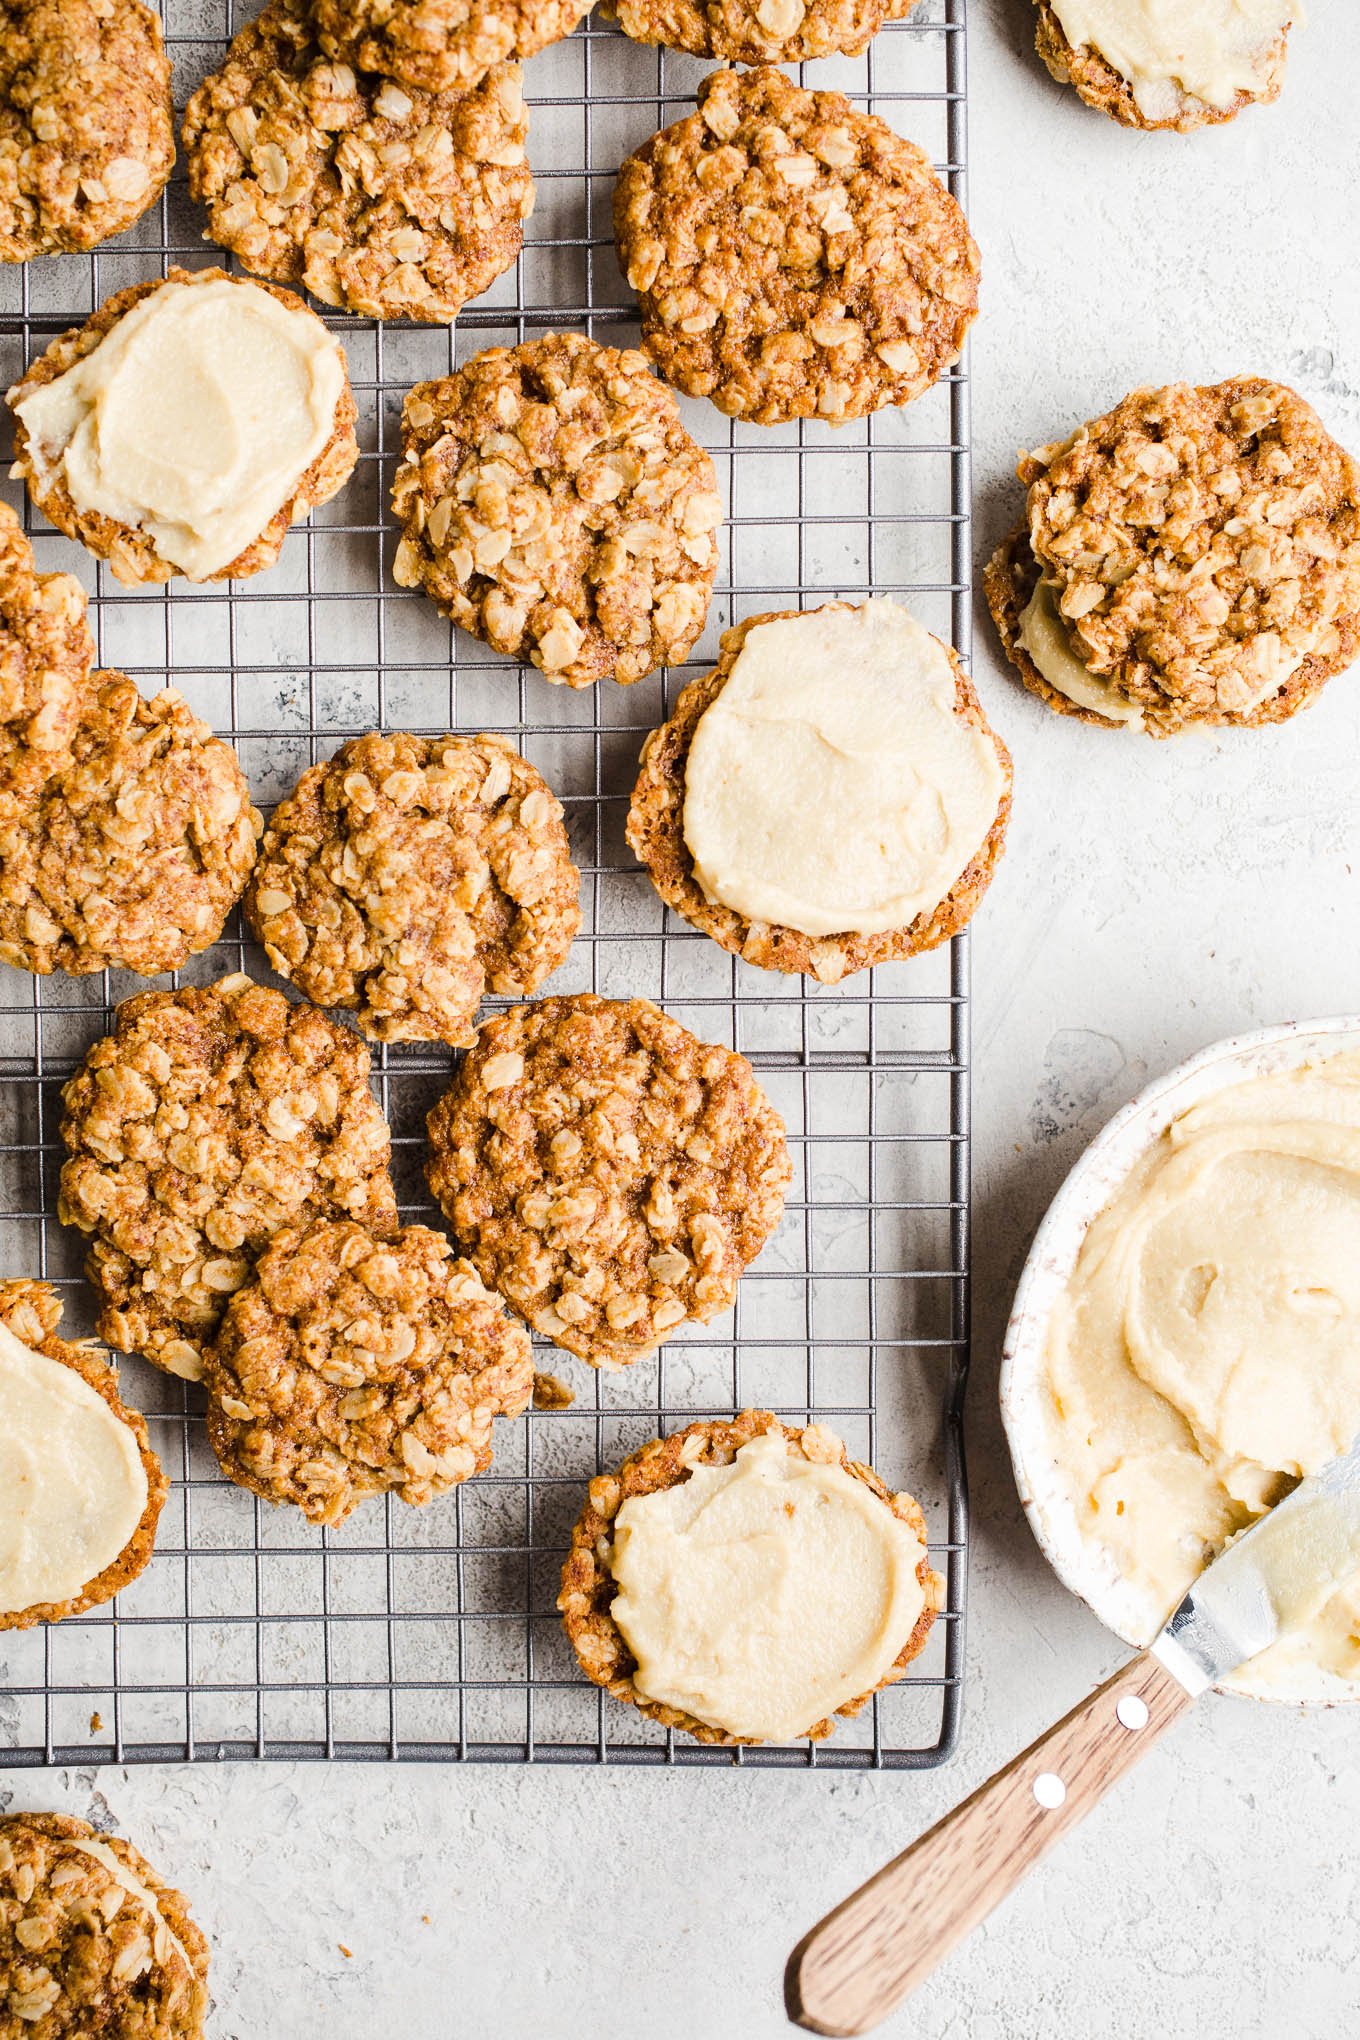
[762, 1595]
[1167, 50]
[73, 1484]
[1206, 1352]
[832, 787]
[193, 420]
[164, 1940]
[1045, 636]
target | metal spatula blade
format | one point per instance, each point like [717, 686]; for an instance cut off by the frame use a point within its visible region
[1268, 1578]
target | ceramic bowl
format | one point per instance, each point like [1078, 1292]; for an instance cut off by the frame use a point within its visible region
[1084, 1566]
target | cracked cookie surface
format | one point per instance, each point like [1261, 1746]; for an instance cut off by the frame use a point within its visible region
[130, 549]
[441, 45]
[135, 853]
[656, 835]
[1202, 546]
[389, 202]
[87, 138]
[408, 876]
[357, 1364]
[206, 1122]
[793, 256]
[91, 1939]
[609, 1173]
[757, 31]
[588, 1586]
[554, 505]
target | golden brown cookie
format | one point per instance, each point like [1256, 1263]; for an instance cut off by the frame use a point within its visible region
[1096, 80]
[554, 505]
[588, 1587]
[440, 45]
[31, 1312]
[607, 1172]
[757, 31]
[1203, 548]
[357, 1363]
[136, 852]
[656, 836]
[46, 652]
[91, 1940]
[794, 258]
[131, 550]
[398, 204]
[87, 133]
[209, 1120]
[408, 876]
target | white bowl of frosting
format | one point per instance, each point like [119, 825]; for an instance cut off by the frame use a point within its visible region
[1185, 1338]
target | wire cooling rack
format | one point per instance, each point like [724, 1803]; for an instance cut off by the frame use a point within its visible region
[432, 1633]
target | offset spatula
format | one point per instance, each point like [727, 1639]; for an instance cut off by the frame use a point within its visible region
[884, 1940]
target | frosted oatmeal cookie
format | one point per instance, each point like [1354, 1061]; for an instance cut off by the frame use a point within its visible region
[397, 204]
[554, 505]
[607, 1172]
[830, 797]
[186, 426]
[46, 652]
[209, 1120]
[357, 1364]
[1160, 64]
[91, 1939]
[408, 876]
[757, 31]
[87, 133]
[441, 45]
[83, 1490]
[747, 1581]
[1191, 557]
[794, 258]
[133, 855]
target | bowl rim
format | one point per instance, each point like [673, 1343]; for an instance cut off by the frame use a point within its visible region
[1085, 1568]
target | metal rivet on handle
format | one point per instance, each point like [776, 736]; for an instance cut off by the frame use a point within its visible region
[1049, 1790]
[1132, 1711]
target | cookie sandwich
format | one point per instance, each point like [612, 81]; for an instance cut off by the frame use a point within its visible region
[747, 1581]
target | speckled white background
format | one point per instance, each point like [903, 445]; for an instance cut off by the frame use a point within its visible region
[1153, 897]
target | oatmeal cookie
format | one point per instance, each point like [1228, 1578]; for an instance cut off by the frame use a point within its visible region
[31, 1312]
[209, 1120]
[441, 45]
[91, 1940]
[1203, 549]
[130, 549]
[607, 1172]
[407, 876]
[793, 256]
[46, 652]
[135, 854]
[397, 204]
[554, 505]
[358, 1364]
[757, 31]
[588, 1587]
[1096, 80]
[87, 132]
[656, 836]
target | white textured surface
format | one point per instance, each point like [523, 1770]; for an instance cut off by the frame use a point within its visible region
[1154, 897]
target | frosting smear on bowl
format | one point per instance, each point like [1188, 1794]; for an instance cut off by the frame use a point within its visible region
[1205, 1355]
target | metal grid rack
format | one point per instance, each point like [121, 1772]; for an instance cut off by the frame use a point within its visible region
[431, 1633]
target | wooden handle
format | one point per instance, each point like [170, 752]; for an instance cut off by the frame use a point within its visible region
[885, 1939]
